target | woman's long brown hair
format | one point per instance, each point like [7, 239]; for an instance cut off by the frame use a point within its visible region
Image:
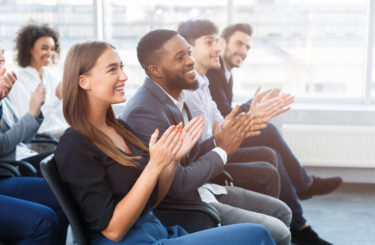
[80, 59]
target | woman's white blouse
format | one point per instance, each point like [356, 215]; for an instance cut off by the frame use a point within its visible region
[27, 81]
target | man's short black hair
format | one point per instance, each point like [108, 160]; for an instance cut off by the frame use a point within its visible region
[231, 29]
[151, 44]
[194, 29]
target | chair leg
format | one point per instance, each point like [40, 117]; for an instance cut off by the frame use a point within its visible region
[70, 239]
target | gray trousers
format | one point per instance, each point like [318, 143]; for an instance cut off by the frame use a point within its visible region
[244, 206]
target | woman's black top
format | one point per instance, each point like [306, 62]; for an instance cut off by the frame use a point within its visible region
[96, 181]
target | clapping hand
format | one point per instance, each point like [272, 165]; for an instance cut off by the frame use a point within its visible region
[164, 150]
[270, 102]
[233, 130]
[6, 82]
[257, 121]
[37, 99]
[190, 134]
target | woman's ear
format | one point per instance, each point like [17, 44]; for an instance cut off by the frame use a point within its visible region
[84, 82]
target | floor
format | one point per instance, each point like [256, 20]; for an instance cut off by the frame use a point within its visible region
[346, 216]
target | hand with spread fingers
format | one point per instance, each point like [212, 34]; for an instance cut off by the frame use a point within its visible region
[190, 135]
[270, 92]
[233, 131]
[6, 82]
[164, 150]
[37, 100]
[271, 102]
[258, 121]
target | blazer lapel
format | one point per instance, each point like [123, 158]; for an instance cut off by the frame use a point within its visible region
[175, 113]
[187, 111]
[228, 86]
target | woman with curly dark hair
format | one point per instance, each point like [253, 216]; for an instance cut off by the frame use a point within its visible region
[37, 47]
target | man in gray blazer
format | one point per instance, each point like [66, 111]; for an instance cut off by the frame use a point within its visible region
[159, 103]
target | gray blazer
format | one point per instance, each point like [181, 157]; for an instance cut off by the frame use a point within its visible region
[151, 108]
[21, 131]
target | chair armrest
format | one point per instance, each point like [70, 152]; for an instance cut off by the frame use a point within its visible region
[45, 139]
[191, 205]
[223, 179]
[16, 167]
[190, 214]
[9, 170]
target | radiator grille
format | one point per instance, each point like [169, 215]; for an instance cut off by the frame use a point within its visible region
[332, 145]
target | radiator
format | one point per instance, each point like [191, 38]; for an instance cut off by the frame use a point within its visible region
[332, 145]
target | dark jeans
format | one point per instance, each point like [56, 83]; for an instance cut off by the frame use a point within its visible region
[255, 169]
[29, 212]
[148, 230]
[293, 176]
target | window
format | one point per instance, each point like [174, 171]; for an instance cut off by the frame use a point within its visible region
[126, 22]
[72, 18]
[314, 49]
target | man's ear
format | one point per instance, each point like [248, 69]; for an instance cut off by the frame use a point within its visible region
[222, 43]
[84, 82]
[155, 71]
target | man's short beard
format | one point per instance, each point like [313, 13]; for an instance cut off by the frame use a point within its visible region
[176, 83]
[228, 60]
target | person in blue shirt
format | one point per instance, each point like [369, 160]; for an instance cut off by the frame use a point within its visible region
[29, 213]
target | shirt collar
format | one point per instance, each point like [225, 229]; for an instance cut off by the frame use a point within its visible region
[202, 80]
[180, 100]
[228, 74]
[32, 71]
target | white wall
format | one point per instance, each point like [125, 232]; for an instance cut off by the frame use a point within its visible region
[336, 115]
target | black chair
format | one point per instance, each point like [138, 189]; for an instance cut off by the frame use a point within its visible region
[44, 139]
[12, 168]
[65, 199]
[192, 215]
[43, 143]
[223, 179]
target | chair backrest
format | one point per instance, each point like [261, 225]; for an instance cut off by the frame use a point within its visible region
[192, 215]
[65, 199]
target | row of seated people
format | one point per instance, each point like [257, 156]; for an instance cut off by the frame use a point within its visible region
[128, 165]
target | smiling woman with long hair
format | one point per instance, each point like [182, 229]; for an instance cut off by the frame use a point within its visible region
[114, 178]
